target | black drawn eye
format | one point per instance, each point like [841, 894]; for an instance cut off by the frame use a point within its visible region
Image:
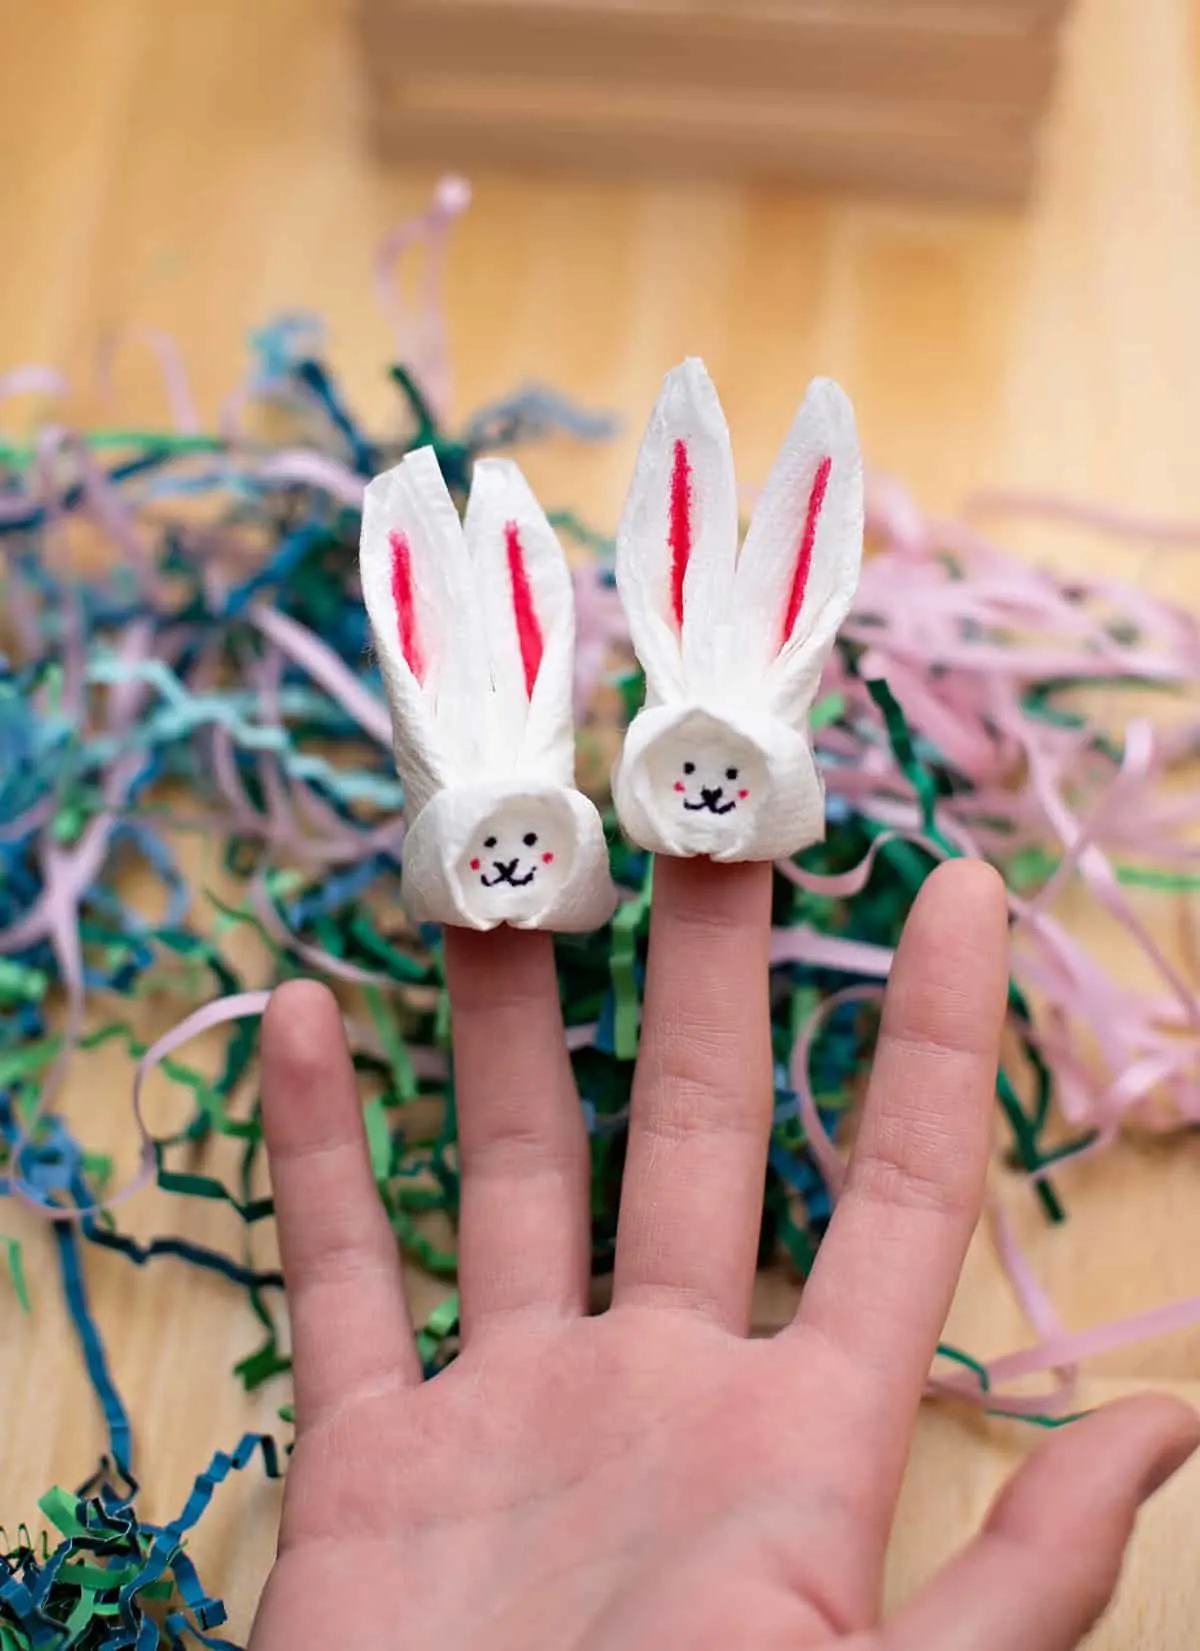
[529, 839]
[731, 773]
[689, 768]
[489, 842]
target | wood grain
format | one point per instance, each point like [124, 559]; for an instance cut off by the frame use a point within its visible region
[941, 101]
[587, 131]
[197, 166]
[985, 54]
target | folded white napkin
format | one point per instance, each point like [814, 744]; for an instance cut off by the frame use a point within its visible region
[719, 760]
[474, 623]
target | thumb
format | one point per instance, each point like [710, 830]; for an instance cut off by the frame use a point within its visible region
[1047, 1561]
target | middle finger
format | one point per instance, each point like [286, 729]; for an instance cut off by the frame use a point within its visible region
[691, 1201]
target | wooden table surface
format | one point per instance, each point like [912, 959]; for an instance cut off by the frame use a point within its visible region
[199, 166]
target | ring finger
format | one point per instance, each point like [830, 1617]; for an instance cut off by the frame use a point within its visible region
[523, 1149]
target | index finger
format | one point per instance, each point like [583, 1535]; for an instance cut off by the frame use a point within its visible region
[885, 1275]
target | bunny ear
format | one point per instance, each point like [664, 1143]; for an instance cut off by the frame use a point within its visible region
[528, 610]
[423, 613]
[799, 567]
[677, 542]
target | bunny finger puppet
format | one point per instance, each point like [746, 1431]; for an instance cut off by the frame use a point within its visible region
[719, 760]
[474, 626]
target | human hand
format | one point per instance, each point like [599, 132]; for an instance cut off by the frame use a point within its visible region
[651, 1478]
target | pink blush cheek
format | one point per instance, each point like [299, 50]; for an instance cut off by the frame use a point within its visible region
[743, 795]
[547, 859]
[474, 865]
[679, 785]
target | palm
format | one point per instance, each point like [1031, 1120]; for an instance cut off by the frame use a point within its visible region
[649, 1477]
[703, 1467]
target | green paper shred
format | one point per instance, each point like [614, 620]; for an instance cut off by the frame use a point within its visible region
[914, 771]
[627, 925]
[59, 1506]
[21, 984]
[404, 1079]
[441, 1324]
[13, 1260]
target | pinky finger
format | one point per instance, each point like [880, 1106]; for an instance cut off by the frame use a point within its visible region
[1047, 1563]
[350, 1327]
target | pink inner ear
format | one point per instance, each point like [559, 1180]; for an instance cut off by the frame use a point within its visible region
[406, 607]
[679, 535]
[529, 631]
[816, 500]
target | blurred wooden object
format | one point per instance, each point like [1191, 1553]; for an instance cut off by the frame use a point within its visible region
[934, 96]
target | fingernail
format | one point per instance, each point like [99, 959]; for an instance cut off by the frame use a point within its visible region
[1167, 1466]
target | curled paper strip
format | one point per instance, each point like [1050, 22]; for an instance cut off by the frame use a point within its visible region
[719, 760]
[474, 624]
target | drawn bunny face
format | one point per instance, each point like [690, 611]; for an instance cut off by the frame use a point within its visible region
[474, 625]
[712, 778]
[517, 859]
[718, 760]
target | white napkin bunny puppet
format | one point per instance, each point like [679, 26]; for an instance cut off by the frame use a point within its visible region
[719, 760]
[474, 624]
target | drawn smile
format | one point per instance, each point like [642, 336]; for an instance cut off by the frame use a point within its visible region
[506, 873]
[710, 803]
